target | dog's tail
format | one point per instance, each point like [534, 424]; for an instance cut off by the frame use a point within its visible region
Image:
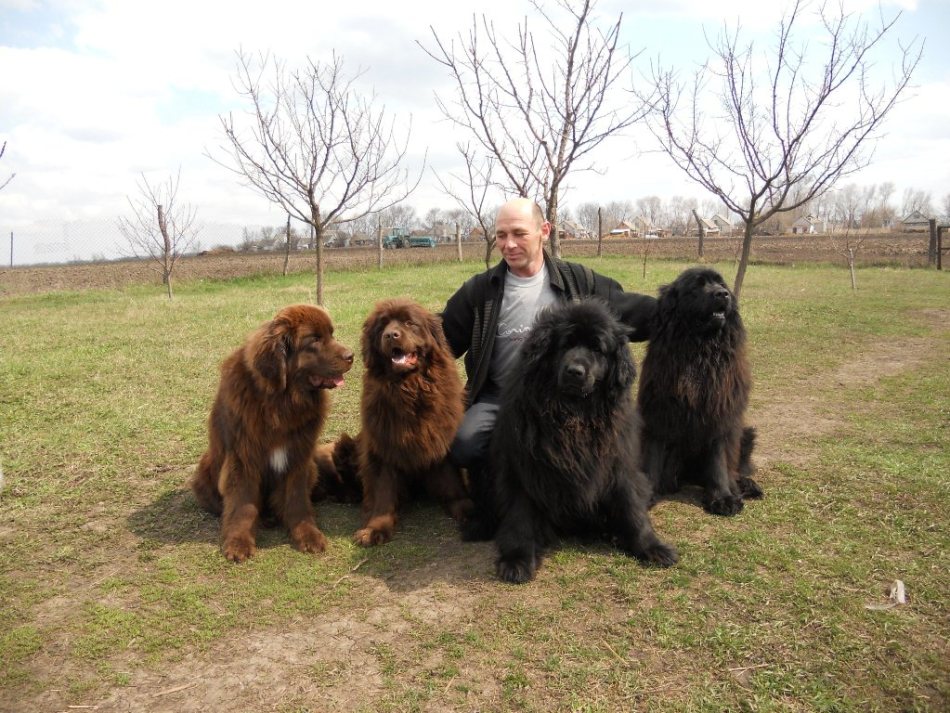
[337, 471]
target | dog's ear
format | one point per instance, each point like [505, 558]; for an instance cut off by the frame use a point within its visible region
[271, 350]
[539, 343]
[433, 323]
[369, 339]
[667, 298]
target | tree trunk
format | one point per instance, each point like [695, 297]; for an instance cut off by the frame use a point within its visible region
[600, 232]
[744, 260]
[458, 239]
[287, 246]
[854, 284]
[554, 239]
[702, 233]
[166, 252]
[318, 233]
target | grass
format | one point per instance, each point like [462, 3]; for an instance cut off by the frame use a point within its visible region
[110, 574]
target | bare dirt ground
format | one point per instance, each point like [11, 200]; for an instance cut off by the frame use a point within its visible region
[903, 249]
[330, 664]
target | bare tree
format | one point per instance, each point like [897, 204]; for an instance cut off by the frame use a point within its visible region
[946, 208]
[313, 145]
[539, 106]
[917, 200]
[795, 134]
[846, 209]
[160, 227]
[472, 193]
[4, 184]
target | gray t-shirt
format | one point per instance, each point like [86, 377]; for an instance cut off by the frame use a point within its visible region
[524, 297]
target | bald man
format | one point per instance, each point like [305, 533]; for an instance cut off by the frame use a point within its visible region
[491, 315]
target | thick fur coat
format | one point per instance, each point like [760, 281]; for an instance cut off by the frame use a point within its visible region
[564, 454]
[262, 432]
[693, 393]
[412, 405]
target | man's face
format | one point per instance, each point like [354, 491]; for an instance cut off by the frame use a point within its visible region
[520, 239]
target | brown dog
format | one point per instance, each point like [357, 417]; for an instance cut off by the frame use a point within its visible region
[411, 407]
[271, 405]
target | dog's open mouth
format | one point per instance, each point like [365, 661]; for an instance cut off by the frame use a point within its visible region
[402, 359]
[326, 382]
[719, 317]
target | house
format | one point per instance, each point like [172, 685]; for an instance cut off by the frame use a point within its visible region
[725, 227]
[915, 221]
[624, 229]
[644, 226]
[807, 224]
[709, 227]
[571, 230]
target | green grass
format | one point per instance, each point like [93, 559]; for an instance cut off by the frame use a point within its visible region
[109, 571]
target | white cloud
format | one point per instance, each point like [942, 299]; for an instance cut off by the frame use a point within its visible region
[95, 93]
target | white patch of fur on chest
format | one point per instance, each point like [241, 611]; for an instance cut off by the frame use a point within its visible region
[278, 460]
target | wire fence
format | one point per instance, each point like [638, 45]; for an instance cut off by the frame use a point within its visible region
[83, 270]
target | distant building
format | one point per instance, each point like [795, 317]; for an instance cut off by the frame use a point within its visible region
[572, 230]
[914, 222]
[624, 229]
[709, 227]
[807, 224]
[725, 227]
[643, 226]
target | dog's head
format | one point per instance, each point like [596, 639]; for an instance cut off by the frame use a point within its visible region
[401, 337]
[699, 297]
[580, 347]
[296, 351]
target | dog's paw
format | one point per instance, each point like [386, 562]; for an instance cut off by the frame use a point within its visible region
[308, 538]
[658, 554]
[727, 504]
[238, 548]
[370, 537]
[516, 569]
[749, 488]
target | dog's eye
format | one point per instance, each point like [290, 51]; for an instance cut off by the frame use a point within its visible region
[409, 323]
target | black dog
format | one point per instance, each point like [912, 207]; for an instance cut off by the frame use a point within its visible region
[564, 453]
[694, 388]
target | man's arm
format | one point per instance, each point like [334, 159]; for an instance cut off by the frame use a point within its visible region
[633, 309]
[458, 319]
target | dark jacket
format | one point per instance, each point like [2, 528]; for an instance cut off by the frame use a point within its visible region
[470, 319]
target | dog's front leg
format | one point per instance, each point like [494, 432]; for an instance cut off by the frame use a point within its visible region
[519, 552]
[240, 493]
[297, 513]
[720, 497]
[380, 502]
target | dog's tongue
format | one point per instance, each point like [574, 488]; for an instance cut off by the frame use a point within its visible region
[404, 359]
[327, 382]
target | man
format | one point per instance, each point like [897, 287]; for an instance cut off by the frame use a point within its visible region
[490, 316]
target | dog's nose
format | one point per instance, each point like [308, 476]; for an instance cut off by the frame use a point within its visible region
[576, 370]
[721, 292]
[348, 357]
[391, 334]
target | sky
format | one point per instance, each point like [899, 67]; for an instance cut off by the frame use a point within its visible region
[95, 94]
